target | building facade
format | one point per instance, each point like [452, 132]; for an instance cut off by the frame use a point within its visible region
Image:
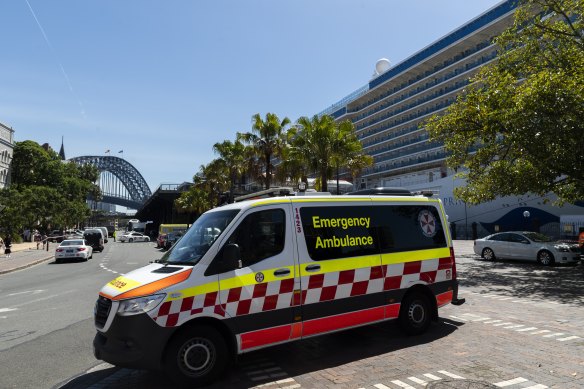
[389, 112]
[6, 153]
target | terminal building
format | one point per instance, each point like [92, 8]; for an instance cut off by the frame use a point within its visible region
[389, 114]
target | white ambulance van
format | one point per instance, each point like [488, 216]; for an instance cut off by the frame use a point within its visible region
[277, 270]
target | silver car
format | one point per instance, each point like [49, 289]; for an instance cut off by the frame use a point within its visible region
[531, 246]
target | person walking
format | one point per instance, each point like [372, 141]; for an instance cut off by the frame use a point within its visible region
[7, 246]
[114, 235]
[581, 243]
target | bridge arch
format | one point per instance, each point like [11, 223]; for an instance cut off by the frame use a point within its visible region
[123, 184]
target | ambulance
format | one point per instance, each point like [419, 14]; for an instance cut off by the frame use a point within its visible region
[263, 272]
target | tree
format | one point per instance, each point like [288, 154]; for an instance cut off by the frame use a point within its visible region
[267, 138]
[233, 155]
[46, 190]
[323, 145]
[519, 126]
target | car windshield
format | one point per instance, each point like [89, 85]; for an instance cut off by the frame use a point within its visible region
[199, 238]
[537, 237]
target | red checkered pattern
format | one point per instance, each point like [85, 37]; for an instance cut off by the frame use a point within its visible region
[348, 283]
[315, 288]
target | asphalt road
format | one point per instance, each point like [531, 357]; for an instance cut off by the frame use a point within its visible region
[46, 315]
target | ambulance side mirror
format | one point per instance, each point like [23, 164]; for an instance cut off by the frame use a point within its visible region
[229, 258]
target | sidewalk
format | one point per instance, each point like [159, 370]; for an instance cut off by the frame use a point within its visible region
[25, 255]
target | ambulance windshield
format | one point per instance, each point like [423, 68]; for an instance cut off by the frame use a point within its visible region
[199, 238]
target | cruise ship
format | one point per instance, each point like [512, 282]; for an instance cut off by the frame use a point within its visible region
[389, 112]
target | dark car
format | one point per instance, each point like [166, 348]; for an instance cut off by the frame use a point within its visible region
[56, 236]
[94, 238]
[172, 238]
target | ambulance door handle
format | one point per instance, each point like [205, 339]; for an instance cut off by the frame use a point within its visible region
[281, 272]
[312, 268]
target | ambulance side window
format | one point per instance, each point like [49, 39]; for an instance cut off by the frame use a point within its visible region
[409, 227]
[260, 235]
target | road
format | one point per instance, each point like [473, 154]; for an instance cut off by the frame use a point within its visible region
[46, 315]
[521, 327]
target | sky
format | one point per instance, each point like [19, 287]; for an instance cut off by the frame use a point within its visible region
[164, 80]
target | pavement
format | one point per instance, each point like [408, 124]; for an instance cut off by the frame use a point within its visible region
[25, 255]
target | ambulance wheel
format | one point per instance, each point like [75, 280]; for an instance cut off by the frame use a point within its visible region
[196, 356]
[415, 314]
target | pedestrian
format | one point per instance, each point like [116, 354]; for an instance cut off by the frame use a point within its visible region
[581, 243]
[7, 246]
[37, 239]
[114, 235]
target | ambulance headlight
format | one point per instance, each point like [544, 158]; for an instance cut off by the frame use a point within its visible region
[139, 304]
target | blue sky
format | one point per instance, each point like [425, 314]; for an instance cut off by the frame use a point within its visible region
[165, 80]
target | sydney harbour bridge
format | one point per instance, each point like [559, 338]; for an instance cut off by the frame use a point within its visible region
[119, 181]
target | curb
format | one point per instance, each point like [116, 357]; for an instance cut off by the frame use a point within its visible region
[29, 264]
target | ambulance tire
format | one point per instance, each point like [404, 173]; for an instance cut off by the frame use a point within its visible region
[196, 356]
[415, 313]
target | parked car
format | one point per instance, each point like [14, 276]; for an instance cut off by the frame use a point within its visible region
[172, 238]
[531, 246]
[94, 238]
[134, 236]
[56, 236]
[73, 249]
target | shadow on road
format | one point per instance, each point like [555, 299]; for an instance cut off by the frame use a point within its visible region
[292, 359]
[562, 283]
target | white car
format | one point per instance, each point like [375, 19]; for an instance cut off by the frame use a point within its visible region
[134, 237]
[531, 246]
[73, 249]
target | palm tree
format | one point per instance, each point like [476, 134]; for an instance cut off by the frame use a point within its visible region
[322, 144]
[233, 156]
[267, 138]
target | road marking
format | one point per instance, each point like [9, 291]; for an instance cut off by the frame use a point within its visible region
[538, 386]
[402, 384]
[432, 377]
[554, 335]
[502, 324]
[539, 332]
[381, 386]
[526, 329]
[481, 319]
[568, 338]
[493, 321]
[458, 318]
[418, 381]
[515, 326]
[451, 375]
[514, 381]
[26, 292]
[8, 309]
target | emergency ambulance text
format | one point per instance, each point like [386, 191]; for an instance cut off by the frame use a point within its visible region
[346, 241]
[343, 222]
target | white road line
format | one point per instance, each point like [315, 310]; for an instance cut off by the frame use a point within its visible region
[514, 381]
[538, 386]
[526, 329]
[8, 309]
[514, 326]
[402, 384]
[506, 298]
[493, 321]
[432, 377]
[451, 375]
[568, 338]
[27, 291]
[539, 332]
[481, 319]
[381, 386]
[502, 324]
[458, 318]
[418, 381]
[554, 335]
[471, 314]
